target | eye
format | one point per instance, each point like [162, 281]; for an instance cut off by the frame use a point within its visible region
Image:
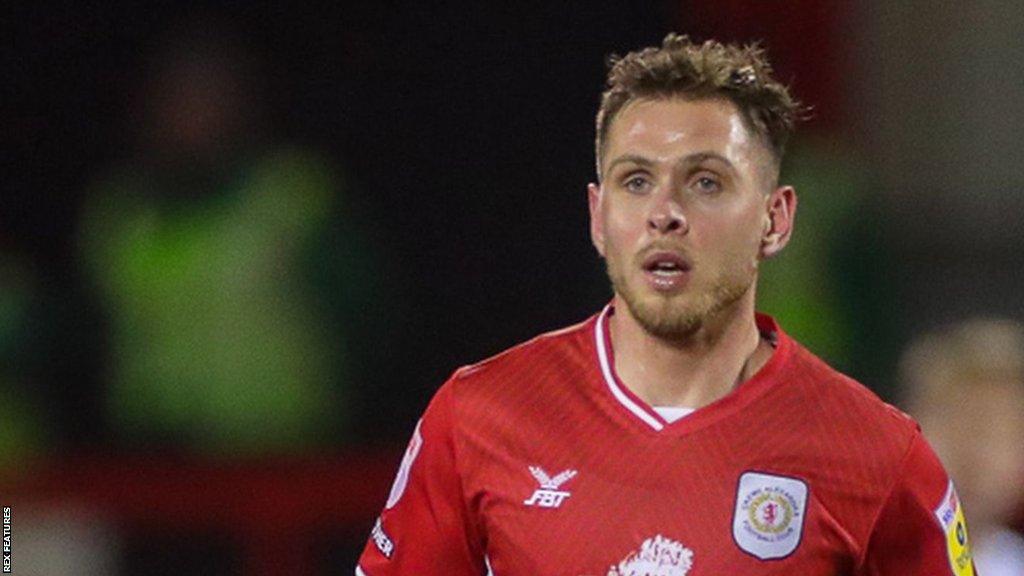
[637, 184]
[706, 184]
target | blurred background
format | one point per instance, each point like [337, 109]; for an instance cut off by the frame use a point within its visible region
[241, 244]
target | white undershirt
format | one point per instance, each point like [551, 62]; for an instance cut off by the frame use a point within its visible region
[673, 413]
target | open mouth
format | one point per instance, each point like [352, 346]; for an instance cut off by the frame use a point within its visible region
[666, 264]
[666, 271]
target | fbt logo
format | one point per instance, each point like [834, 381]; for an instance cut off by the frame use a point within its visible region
[549, 495]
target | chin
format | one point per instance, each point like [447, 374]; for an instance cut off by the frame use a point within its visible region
[680, 315]
[666, 317]
[672, 316]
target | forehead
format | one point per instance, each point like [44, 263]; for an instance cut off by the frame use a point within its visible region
[666, 128]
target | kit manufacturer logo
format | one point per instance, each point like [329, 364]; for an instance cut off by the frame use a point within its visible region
[549, 495]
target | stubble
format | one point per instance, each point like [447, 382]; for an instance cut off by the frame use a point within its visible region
[678, 316]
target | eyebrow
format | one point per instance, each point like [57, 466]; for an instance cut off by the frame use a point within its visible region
[688, 160]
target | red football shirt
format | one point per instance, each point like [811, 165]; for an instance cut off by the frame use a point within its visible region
[540, 462]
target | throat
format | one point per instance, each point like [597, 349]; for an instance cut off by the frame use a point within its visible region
[669, 375]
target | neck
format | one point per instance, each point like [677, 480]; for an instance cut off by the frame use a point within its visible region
[693, 371]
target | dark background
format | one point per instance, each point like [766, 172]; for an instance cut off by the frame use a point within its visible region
[465, 130]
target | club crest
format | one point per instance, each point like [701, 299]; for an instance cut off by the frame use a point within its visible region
[768, 519]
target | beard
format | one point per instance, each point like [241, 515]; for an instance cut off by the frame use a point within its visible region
[680, 315]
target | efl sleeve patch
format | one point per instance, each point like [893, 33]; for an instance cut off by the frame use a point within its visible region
[951, 517]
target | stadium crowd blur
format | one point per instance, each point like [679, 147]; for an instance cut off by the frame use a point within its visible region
[240, 249]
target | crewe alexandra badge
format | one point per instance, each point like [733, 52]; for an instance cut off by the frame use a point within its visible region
[768, 520]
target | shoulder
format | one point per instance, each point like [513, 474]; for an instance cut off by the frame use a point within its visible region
[569, 345]
[847, 407]
[851, 445]
[513, 383]
[848, 444]
[818, 401]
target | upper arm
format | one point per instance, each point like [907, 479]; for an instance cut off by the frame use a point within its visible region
[920, 530]
[426, 527]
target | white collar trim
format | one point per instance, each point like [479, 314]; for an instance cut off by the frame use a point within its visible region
[609, 378]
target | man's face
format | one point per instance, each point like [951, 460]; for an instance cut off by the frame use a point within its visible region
[685, 211]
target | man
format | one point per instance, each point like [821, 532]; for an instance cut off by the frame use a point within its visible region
[977, 367]
[676, 433]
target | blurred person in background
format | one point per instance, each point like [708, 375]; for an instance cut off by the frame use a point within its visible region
[965, 386]
[226, 265]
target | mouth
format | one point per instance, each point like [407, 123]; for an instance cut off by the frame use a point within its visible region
[664, 263]
[666, 271]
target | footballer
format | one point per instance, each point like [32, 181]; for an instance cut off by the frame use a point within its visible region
[677, 432]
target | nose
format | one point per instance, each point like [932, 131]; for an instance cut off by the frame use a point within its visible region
[666, 217]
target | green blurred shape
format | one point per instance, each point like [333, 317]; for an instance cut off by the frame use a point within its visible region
[831, 288]
[797, 287]
[217, 339]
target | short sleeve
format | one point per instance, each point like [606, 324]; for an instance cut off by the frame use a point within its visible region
[425, 528]
[920, 530]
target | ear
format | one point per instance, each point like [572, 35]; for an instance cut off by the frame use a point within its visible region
[779, 216]
[596, 222]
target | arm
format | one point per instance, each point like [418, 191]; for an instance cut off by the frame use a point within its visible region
[920, 530]
[426, 528]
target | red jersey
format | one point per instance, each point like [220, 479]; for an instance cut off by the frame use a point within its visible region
[541, 462]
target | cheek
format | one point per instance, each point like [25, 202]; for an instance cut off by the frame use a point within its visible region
[621, 228]
[735, 234]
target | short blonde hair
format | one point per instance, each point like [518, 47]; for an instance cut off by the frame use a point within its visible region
[681, 68]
